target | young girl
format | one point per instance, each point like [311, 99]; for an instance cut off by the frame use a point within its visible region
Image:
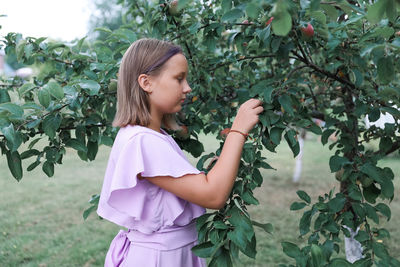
[149, 186]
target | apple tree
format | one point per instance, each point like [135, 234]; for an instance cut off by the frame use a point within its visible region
[336, 61]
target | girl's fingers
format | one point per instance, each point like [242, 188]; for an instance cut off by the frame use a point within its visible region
[259, 109]
[254, 102]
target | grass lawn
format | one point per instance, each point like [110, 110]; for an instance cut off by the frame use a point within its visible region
[41, 218]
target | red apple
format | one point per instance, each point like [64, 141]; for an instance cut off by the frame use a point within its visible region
[183, 132]
[269, 21]
[245, 21]
[224, 133]
[245, 43]
[308, 31]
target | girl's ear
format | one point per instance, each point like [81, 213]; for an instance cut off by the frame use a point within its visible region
[145, 83]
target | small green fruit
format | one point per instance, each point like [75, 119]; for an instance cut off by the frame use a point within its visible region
[173, 8]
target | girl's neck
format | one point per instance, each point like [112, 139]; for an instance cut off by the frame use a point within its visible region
[155, 126]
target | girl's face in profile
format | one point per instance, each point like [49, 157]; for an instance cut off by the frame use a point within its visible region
[170, 87]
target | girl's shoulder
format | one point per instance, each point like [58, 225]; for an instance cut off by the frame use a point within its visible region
[132, 130]
[141, 135]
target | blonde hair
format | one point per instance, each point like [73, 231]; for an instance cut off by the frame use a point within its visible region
[143, 56]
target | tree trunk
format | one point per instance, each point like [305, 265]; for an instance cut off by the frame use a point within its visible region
[299, 158]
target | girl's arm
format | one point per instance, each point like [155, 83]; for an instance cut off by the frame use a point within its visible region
[212, 190]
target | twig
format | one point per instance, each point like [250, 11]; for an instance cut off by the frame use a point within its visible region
[138, 8]
[295, 69]
[44, 115]
[240, 59]
[314, 98]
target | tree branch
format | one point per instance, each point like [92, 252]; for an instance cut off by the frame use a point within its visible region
[327, 73]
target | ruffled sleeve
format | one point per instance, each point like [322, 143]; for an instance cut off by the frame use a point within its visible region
[137, 204]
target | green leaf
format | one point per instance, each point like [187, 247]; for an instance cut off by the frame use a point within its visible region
[220, 225]
[221, 258]
[336, 162]
[48, 168]
[4, 96]
[29, 153]
[305, 221]
[232, 15]
[370, 193]
[237, 237]
[362, 236]
[290, 249]
[391, 10]
[297, 205]
[106, 140]
[92, 149]
[372, 171]
[376, 11]
[226, 5]
[304, 196]
[33, 165]
[384, 209]
[76, 144]
[55, 89]
[339, 262]
[267, 227]
[325, 135]
[241, 222]
[267, 94]
[355, 193]
[14, 164]
[15, 110]
[385, 69]
[317, 255]
[88, 211]
[290, 137]
[20, 49]
[282, 23]
[248, 197]
[91, 86]
[51, 124]
[252, 10]
[183, 3]
[204, 250]
[194, 147]
[380, 250]
[336, 204]
[371, 213]
[102, 29]
[250, 250]
[286, 103]
[393, 111]
[276, 135]
[14, 139]
[44, 97]
[331, 11]
[387, 187]
[25, 88]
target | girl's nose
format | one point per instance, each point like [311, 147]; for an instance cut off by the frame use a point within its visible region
[187, 88]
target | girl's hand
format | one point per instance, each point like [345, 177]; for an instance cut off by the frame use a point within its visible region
[247, 115]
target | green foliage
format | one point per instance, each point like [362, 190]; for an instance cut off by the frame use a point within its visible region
[347, 70]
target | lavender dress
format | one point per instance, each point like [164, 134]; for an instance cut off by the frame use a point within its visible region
[161, 225]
